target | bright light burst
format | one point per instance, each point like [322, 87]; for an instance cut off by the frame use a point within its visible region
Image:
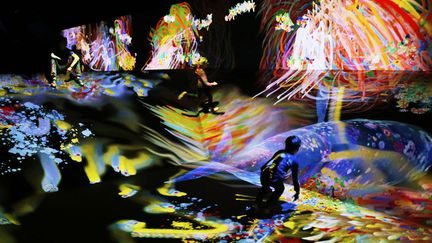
[175, 39]
[352, 38]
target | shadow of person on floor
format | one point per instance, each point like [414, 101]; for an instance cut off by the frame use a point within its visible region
[206, 108]
[279, 207]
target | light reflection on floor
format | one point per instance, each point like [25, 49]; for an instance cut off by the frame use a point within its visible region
[126, 169]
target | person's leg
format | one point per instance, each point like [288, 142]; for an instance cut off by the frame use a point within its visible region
[53, 72]
[78, 74]
[264, 190]
[278, 190]
[75, 77]
[207, 93]
[78, 80]
[191, 88]
[53, 67]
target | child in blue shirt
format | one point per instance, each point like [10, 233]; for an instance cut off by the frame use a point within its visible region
[274, 172]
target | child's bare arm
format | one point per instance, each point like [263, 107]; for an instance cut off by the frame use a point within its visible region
[203, 76]
[74, 62]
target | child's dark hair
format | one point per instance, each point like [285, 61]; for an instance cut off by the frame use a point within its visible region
[292, 144]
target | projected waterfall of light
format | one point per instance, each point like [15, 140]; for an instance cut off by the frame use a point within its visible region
[104, 48]
[347, 36]
[125, 60]
[174, 40]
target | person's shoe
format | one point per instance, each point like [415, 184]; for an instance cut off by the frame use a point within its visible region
[53, 82]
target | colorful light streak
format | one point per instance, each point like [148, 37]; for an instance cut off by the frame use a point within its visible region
[349, 36]
[174, 40]
[104, 48]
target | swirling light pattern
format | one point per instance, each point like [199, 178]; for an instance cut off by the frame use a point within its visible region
[123, 39]
[362, 152]
[351, 160]
[104, 48]
[348, 36]
[245, 123]
[174, 40]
